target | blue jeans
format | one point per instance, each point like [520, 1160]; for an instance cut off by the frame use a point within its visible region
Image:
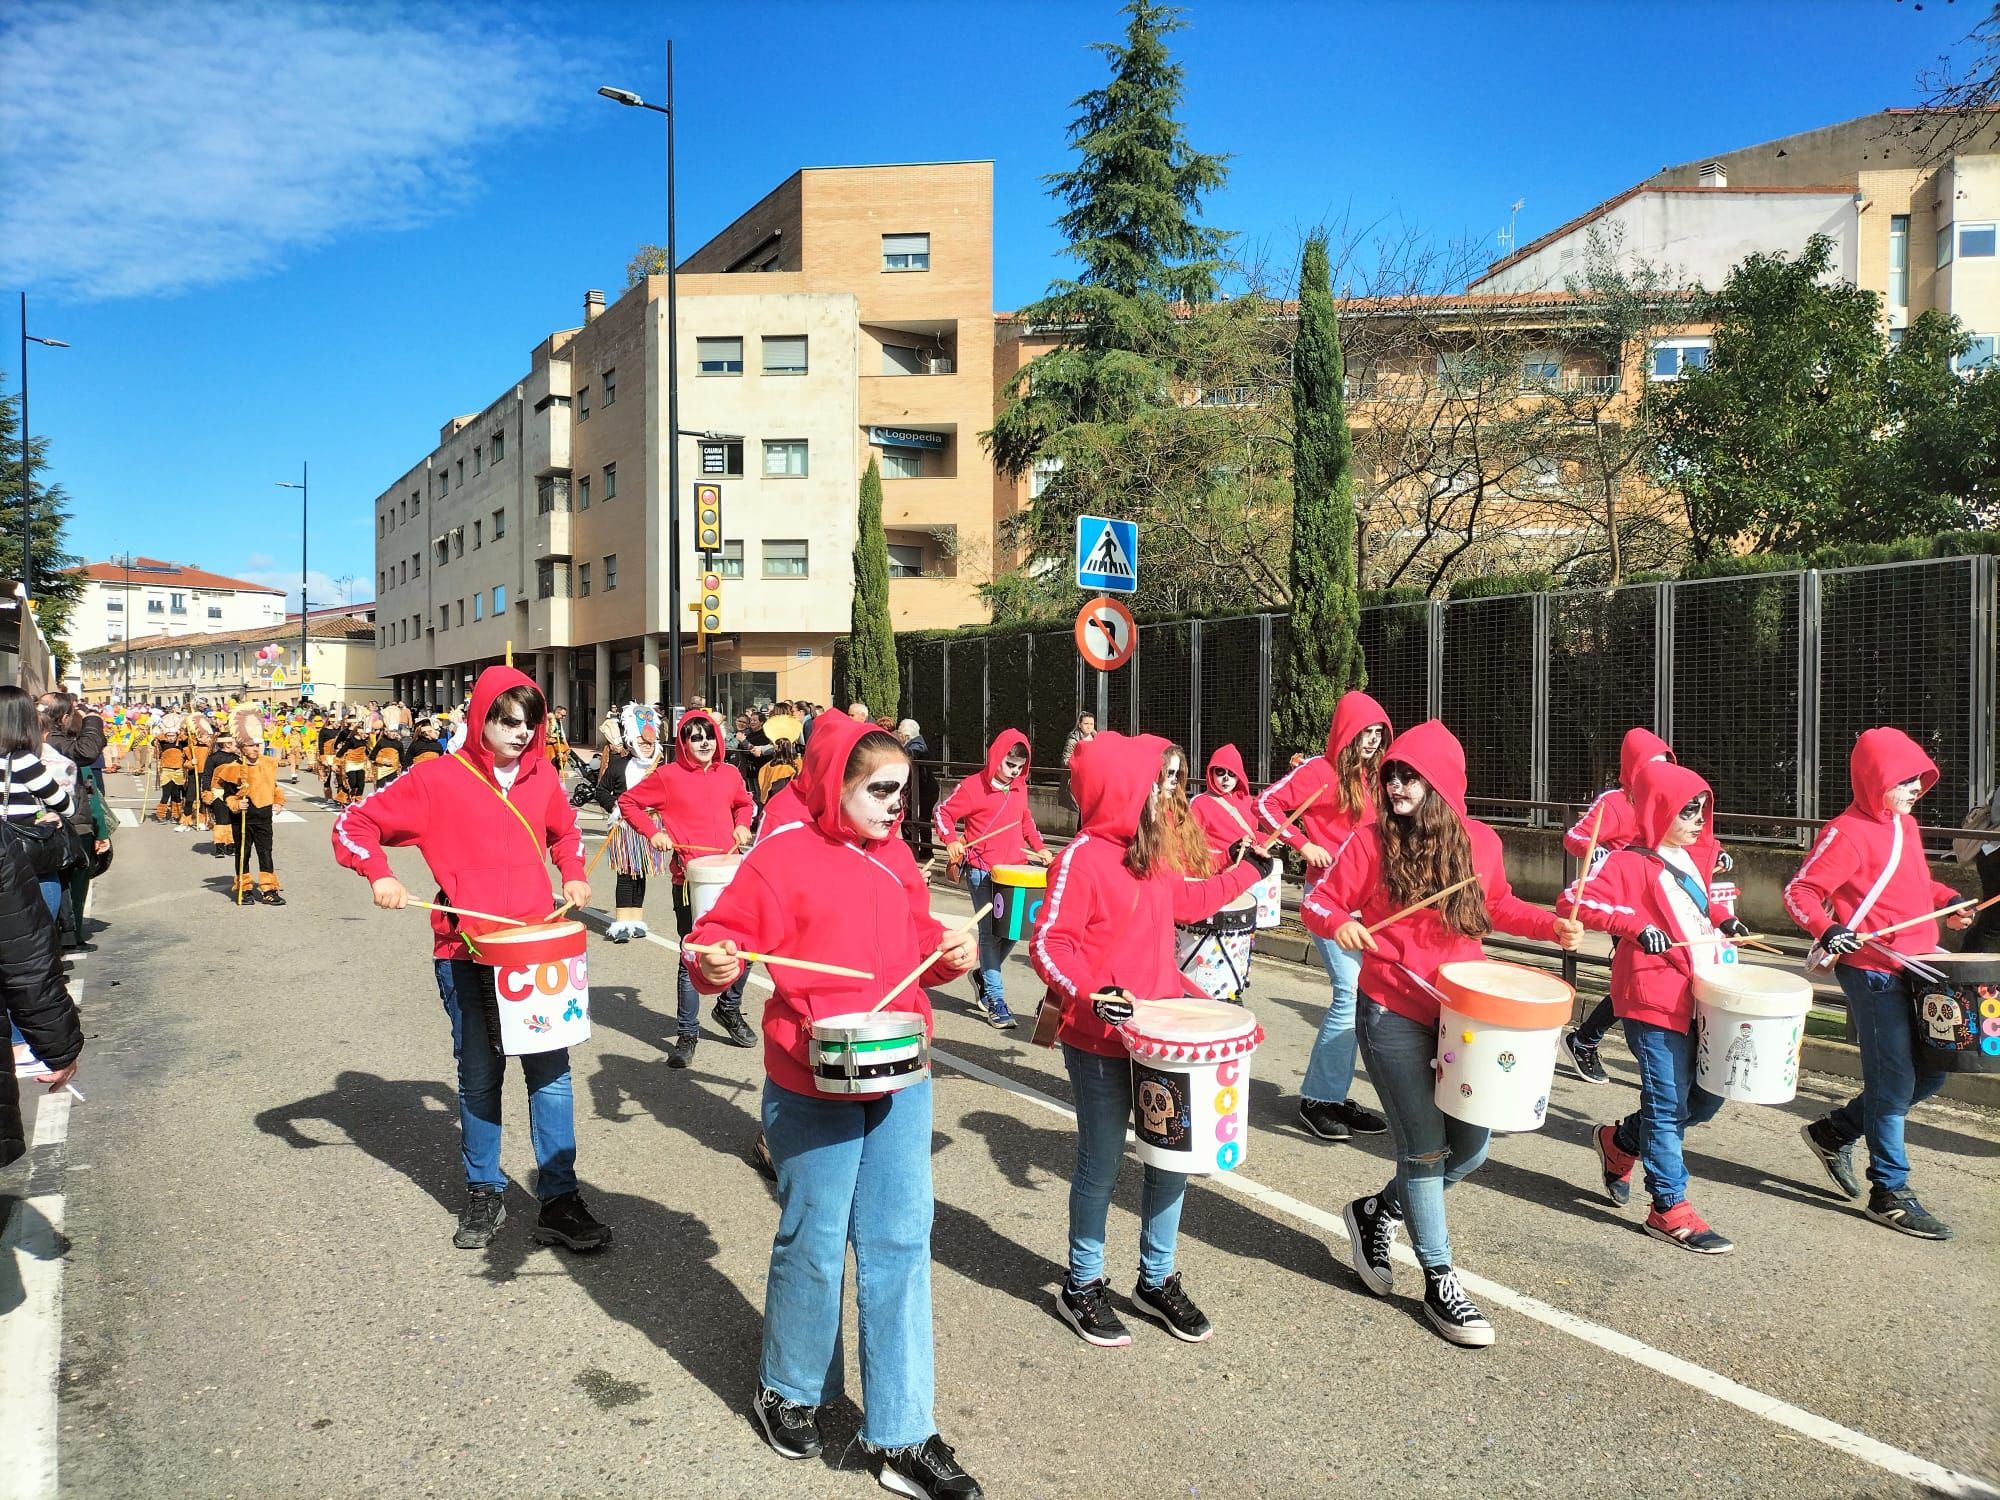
[687, 1020]
[1101, 1089]
[1890, 1082]
[993, 951]
[1433, 1150]
[1670, 1102]
[1330, 1069]
[52, 889]
[1597, 1023]
[466, 988]
[853, 1171]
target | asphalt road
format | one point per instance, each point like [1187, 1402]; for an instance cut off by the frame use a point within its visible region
[260, 1297]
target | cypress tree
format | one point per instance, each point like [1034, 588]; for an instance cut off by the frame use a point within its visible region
[871, 645]
[1324, 655]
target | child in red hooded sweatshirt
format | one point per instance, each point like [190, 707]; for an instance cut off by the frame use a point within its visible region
[1341, 785]
[1652, 894]
[998, 829]
[841, 887]
[1421, 843]
[1225, 811]
[1867, 870]
[695, 804]
[485, 818]
[1105, 936]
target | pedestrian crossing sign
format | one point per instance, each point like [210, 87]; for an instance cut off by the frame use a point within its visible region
[1107, 555]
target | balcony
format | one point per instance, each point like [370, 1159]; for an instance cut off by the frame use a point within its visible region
[551, 534]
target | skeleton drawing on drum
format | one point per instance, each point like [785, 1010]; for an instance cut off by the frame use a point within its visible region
[1161, 1100]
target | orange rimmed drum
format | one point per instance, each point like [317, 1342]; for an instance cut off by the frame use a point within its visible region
[1498, 1026]
[541, 986]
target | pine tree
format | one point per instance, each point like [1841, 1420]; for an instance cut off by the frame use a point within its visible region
[871, 644]
[1324, 659]
[56, 589]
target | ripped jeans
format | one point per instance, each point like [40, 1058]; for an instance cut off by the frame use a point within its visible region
[1433, 1150]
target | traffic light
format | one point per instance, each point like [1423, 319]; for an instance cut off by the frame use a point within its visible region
[708, 520]
[708, 608]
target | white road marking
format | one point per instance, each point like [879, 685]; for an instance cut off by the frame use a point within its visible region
[31, 1335]
[126, 817]
[284, 816]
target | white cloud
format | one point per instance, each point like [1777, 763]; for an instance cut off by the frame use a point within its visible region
[152, 148]
[325, 588]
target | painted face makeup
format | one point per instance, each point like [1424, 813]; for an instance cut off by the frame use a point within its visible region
[700, 740]
[507, 737]
[1688, 822]
[1370, 741]
[1902, 797]
[1405, 788]
[1012, 765]
[871, 806]
[1224, 779]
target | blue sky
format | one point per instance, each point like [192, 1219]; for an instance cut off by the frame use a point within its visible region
[278, 232]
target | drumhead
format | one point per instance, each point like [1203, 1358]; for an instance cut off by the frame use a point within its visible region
[713, 869]
[1503, 994]
[537, 932]
[1022, 875]
[1190, 1020]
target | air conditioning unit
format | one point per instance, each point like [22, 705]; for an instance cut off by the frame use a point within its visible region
[940, 366]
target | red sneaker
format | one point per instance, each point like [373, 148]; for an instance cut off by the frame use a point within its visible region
[1681, 1225]
[1617, 1164]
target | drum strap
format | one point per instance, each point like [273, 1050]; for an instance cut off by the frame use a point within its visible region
[1681, 878]
[505, 801]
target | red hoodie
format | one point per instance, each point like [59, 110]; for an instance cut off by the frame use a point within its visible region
[700, 806]
[816, 890]
[1101, 925]
[1419, 944]
[1855, 848]
[1228, 816]
[1615, 806]
[985, 806]
[484, 847]
[1632, 891]
[1326, 822]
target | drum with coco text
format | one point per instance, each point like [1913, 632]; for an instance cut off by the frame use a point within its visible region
[1191, 1082]
[541, 985]
[1958, 1014]
[1017, 900]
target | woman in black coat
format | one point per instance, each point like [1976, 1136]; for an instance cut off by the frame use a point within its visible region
[32, 992]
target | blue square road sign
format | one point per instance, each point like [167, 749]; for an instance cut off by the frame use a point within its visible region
[1107, 555]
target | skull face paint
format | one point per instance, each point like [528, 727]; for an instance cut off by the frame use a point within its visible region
[1902, 797]
[872, 805]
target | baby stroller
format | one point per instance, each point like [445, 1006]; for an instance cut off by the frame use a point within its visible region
[585, 791]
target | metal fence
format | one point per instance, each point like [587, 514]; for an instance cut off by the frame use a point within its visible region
[1761, 683]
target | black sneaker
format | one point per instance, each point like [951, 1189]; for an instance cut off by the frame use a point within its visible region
[733, 1026]
[1902, 1213]
[1451, 1312]
[927, 1471]
[481, 1216]
[681, 1054]
[270, 898]
[1089, 1313]
[1582, 1056]
[1360, 1119]
[792, 1430]
[1324, 1120]
[1371, 1234]
[1170, 1304]
[1838, 1160]
[565, 1221]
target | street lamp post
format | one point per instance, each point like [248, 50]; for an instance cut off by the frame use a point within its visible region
[673, 505]
[128, 625]
[305, 499]
[28, 470]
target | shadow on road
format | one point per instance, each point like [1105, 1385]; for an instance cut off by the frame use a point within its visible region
[408, 1124]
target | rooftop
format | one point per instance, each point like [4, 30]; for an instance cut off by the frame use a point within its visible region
[154, 570]
[339, 628]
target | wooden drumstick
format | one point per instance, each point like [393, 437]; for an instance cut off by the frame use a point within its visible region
[1590, 853]
[932, 957]
[561, 911]
[1746, 942]
[459, 911]
[780, 962]
[1420, 905]
[1291, 820]
[1970, 902]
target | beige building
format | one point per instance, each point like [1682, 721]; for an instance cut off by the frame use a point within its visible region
[177, 670]
[148, 596]
[846, 317]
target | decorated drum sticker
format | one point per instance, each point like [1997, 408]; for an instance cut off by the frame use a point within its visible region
[1161, 1103]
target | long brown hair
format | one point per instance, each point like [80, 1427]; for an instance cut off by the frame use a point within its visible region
[1426, 852]
[1357, 772]
[1176, 837]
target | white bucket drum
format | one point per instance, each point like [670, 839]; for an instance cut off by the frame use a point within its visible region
[1191, 1082]
[541, 985]
[869, 1052]
[1269, 895]
[706, 877]
[1215, 952]
[1498, 1027]
[1749, 1024]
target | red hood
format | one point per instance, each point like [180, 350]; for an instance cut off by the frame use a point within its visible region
[1639, 749]
[1111, 775]
[1434, 753]
[824, 770]
[1659, 792]
[1353, 713]
[683, 756]
[1226, 758]
[1882, 757]
[491, 684]
[1004, 741]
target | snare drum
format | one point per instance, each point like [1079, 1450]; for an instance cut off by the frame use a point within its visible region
[1017, 900]
[869, 1052]
[1215, 952]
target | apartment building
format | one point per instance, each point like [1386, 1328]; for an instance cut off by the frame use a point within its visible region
[148, 596]
[844, 317]
[175, 671]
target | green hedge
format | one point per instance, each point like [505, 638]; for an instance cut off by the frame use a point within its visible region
[1852, 555]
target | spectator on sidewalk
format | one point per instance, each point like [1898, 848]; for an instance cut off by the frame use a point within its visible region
[41, 1017]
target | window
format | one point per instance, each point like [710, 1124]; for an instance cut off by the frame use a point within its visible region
[1540, 370]
[461, 614]
[718, 356]
[1899, 260]
[610, 378]
[906, 252]
[785, 459]
[784, 559]
[478, 458]
[478, 606]
[461, 473]
[902, 463]
[905, 561]
[732, 560]
[215, 611]
[583, 493]
[583, 580]
[416, 565]
[1977, 241]
[499, 598]
[1672, 358]
[499, 524]
[382, 526]
[478, 529]
[443, 547]
[116, 606]
[610, 572]
[722, 460]
[551, 493]
[1544, 473]
[458, 541]
[444, 481]
[180, 603]
[499, 446]
[583, 404]
[416, 503]
[902, 359]
[785, 355]
[444, 618]
[1983, 355]
[611, 481]
[1944, 247]
[1043, 475]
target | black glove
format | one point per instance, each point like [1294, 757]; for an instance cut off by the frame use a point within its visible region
[1112, 1005]
[1724, 862]
[1264, 864]
[1734, 927]
[1652, 940]
[1839, 939]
